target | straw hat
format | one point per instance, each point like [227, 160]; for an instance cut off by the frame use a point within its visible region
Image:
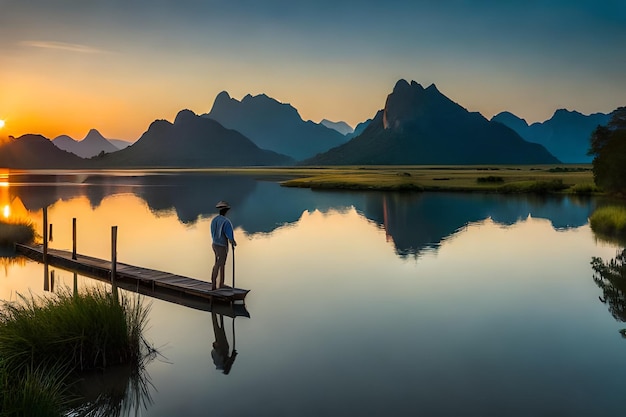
[222, 205]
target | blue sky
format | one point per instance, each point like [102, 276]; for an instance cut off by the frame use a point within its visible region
[71, 65]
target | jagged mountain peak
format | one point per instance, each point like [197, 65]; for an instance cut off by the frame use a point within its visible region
[274, 125]
[262, 96]
[184, 116]
[409, 102]
[566, 134]
[93, 134]
[511, 120]
[566, 114]
[423, 126]
[223, 96]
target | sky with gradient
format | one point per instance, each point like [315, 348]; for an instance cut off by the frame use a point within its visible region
[70, 65]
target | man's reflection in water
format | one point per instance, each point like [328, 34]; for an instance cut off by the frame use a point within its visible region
[222, 358]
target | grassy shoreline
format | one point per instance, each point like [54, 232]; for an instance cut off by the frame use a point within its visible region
[575, 178]
[488, 178]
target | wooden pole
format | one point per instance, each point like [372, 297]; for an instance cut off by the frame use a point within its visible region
[75, 283]
[74, 238]
[114, 261]
[46, 278]
[45, 235]
[113, 254]
[50, 233]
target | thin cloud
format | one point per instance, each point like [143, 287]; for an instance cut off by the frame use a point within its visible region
[64, 46]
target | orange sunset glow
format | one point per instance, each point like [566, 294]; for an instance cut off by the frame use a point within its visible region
[72, 66]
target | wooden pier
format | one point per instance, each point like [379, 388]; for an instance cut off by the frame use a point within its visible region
[170, 287]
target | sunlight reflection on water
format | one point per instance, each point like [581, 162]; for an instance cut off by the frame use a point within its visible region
[366, 304]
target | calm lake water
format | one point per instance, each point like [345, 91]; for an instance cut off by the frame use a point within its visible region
[361, 303]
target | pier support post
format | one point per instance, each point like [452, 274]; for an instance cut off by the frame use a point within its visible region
[50, 233]
[74, 238]
[114, 263]
[46, 277]
[45, 235]
[113, 254]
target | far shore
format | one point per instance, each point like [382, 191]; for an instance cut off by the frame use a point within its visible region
[556, 178]
[539, 179]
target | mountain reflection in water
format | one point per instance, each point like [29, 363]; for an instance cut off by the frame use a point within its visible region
[413, 221]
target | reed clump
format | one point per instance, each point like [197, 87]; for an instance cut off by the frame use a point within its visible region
[534, 187]
[585, 188]
[490, 179]
[46, 341]
[20, 232]
[609, 222]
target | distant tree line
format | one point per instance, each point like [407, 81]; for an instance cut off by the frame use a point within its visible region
[608, 147]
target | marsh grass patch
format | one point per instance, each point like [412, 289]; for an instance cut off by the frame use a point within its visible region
[46, 342]
[609, 223]
[19, 232]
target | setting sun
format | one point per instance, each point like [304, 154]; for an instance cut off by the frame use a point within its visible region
[1, 123]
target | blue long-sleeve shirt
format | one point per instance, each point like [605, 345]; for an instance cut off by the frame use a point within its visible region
[221, 230]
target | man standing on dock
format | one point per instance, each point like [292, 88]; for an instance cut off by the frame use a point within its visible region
[222, 234]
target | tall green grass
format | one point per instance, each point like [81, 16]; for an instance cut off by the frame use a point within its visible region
[533, 187]
[36, 392]
[46, 341]
[585, 188]
[22, 232]
[609, 222]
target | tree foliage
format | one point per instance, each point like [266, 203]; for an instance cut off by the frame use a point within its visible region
[611, 278]
[608, 147]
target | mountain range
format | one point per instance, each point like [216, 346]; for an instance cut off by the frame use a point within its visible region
[36, 151]
[341, 127]
[91, 145]
[422, 126]
[416, 125]
[274, 125]
[566, 134]
[191, 141]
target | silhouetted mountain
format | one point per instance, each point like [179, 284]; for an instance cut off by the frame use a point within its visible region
[360, 128]
[65, 143]
[566, 134]
[36, 152]
[422, 126]
[91, 145]
[120, 143]
[509, 119]
[273, 125]
[191, 141]
[341, 127]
